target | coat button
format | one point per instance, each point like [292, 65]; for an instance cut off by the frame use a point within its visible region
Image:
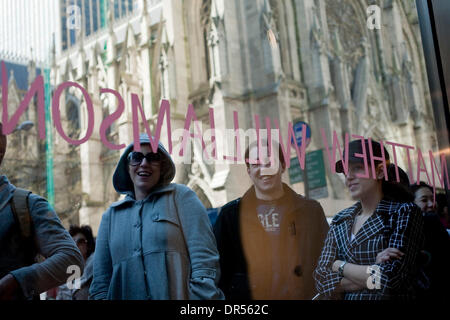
[298, 271]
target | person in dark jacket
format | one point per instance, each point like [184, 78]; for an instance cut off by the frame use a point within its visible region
[436, 249]
[21, 278]
[83, 237]
[270, 239]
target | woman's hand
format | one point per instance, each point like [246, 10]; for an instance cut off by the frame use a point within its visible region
[388, 254]
[347, 285]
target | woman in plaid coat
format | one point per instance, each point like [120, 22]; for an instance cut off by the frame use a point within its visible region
[372, 247]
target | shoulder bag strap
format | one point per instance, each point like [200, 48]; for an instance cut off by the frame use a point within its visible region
[19, 206]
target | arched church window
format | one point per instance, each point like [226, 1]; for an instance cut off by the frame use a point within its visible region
[202, 196]
[164, 67]
[73, 116]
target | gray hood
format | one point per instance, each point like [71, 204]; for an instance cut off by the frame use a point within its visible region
[121, 178]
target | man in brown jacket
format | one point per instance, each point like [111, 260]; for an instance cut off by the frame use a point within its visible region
[269, 240]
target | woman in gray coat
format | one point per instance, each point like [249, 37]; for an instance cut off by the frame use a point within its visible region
[156, 243]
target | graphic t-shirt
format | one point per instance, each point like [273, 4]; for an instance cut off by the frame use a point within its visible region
[270, 214]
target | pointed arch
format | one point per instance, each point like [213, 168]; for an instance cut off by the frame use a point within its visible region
[203, 191]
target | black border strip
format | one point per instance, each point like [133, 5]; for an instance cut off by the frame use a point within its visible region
[436, 79]
[440, 68]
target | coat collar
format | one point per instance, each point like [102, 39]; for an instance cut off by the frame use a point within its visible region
[373, 225]
[130, 198]
[347, 214]
[6, 191]
[382, 208]
[293, 203]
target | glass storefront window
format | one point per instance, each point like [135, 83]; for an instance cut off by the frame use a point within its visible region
[321, 70]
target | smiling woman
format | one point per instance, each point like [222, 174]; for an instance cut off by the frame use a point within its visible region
[372, 248]
[145, 170]
[156, 243]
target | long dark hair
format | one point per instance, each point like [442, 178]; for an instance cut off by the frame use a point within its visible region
[414, 187]
[397, 191]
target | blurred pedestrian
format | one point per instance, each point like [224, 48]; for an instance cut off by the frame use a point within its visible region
[423, 197]
[84, 239]
[442, 210]
[156, 243]
[372, 248]
[437, 245]
[29, 226]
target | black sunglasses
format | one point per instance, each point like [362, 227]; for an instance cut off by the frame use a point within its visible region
[135, 158]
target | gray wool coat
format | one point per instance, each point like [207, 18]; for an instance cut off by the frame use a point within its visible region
[161, 247]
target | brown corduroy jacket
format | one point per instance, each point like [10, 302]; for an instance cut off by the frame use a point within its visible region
[249, 261]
